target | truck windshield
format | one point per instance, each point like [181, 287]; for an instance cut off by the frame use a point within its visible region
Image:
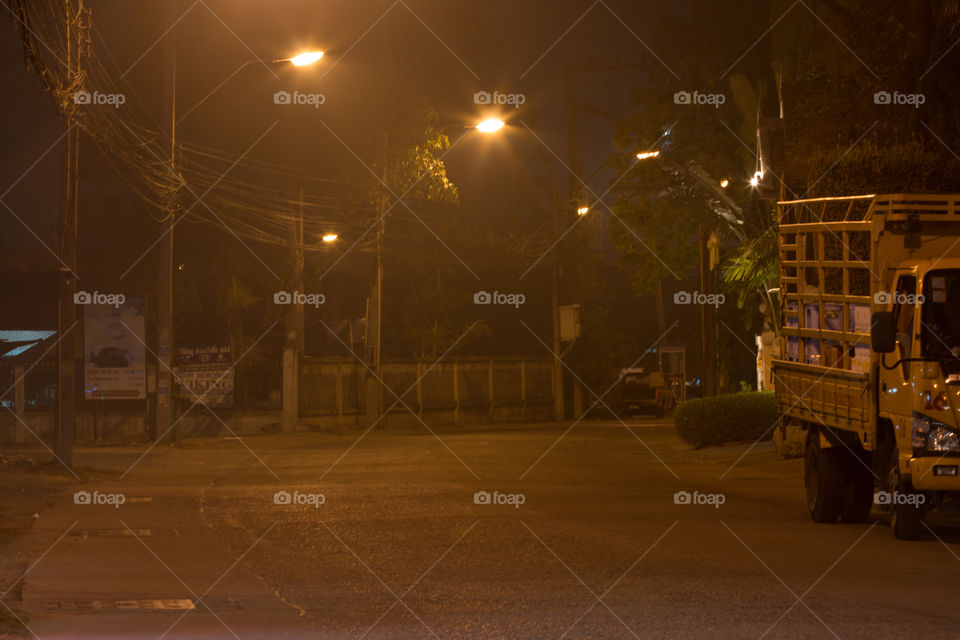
[940, 329]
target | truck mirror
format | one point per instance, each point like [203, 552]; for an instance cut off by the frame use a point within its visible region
[883, 332]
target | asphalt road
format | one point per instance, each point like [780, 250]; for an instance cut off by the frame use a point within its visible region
[582, 538]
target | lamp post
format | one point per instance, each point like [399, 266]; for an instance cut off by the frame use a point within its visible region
[164, 403]
[733, 216]
[374, 390]
[300, 60]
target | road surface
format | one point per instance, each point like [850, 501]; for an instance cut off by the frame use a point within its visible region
[516, 531]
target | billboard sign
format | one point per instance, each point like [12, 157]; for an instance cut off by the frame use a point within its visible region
[205, 374]
[114, 356]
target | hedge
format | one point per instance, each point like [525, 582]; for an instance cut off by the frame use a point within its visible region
[707, 422]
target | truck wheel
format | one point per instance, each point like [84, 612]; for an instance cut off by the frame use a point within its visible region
[823, 476]
[906, 516]
[858, 490]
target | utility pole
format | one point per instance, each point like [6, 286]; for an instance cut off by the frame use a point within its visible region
[574, 193]
[67, 346]
[374, 400]
[558, 405]
[576, 199]
[293, 342]
[165, 342]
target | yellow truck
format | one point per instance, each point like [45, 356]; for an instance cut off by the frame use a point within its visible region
[869, 364]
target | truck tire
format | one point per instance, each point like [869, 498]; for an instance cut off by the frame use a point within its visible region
[858, 490]
[906, 519]
[823, 477]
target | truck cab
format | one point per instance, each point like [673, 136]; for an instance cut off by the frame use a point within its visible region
[919, 375]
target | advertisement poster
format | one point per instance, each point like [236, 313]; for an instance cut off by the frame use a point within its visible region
[205, 374]
[114, 358]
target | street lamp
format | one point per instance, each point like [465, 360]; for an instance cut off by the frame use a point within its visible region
[582, 211]
[303, 59]
[732, 213]
[329, 237]
[165, 397]
[374, 389]
[490, 125]
[300, 60]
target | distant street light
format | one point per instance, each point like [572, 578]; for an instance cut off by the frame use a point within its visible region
[582, 211]
[490, 125]
[329, 237]
[732, 213]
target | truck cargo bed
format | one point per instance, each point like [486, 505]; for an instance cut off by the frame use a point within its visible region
[823, 395]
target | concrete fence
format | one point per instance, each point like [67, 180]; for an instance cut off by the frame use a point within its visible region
[459, 389]
[331, 392]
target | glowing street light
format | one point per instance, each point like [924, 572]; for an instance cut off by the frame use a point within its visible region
[582, 211]
[755, 180]
[329, 237]
[490, 125]
[724, 183]
[304, 59]
[647, 154]
[300, 60]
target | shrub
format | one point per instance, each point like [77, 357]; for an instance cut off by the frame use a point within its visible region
[714, 421]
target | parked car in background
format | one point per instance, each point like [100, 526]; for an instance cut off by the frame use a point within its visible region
[641, 392]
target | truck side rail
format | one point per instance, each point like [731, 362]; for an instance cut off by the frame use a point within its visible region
[823, 395]
[817, 210]
[825, 290]
[924, 206]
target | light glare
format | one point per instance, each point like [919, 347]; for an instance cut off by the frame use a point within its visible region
[305, 59]
[647, 154]
[330, 237]
[490, 125]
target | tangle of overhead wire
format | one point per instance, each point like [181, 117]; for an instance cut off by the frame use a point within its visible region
[196, 182]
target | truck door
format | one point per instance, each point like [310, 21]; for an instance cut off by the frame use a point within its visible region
[896, 393]
[904, 312]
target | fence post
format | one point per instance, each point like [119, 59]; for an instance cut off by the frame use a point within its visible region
[456, 389]
[339, 394]
[19, 399]
[490, 386]
[420, 388]
[523, 389]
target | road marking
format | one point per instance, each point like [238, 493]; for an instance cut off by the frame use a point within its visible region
[147, 604]
[120, 533]
[172, 604]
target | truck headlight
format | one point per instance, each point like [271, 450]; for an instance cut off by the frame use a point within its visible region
[941, 439]
[933, 436]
